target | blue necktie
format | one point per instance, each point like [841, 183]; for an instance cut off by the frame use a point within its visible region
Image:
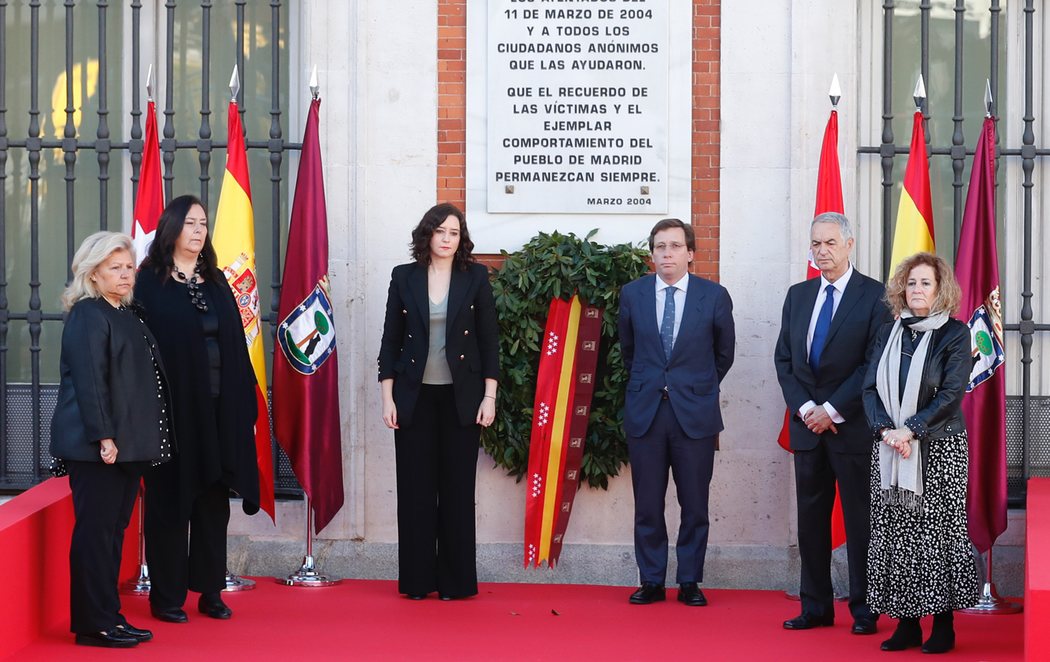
[667, 325]
[820, 332]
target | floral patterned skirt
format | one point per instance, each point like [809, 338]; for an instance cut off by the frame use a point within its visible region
[919, 563]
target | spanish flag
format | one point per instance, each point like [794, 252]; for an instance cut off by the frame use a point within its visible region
[234, 241]
[914, 230]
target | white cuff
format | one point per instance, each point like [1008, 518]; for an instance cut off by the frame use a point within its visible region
[804, 409]
[836, 417]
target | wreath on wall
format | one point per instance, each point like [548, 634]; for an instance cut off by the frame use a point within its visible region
[558, 265]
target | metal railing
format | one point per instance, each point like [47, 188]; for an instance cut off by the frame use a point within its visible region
[26, 407]
[1022, 443]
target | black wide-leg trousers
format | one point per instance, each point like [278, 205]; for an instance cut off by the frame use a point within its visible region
[184, 553]
[437, 461]
[103, 499]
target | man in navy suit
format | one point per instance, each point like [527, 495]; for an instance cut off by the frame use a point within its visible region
[828, 328]
[677, 339]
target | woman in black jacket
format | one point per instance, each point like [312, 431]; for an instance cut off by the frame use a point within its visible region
[919, 560]
[191, 310]
[438, 366]
[109, 424]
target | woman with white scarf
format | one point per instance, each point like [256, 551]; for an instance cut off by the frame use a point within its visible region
[919, 561]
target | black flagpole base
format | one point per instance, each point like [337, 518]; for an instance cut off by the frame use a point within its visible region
[307, 575]
[991, 604]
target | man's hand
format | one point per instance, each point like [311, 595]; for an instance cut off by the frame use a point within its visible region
[819, 421]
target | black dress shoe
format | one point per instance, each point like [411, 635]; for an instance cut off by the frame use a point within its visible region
[415, 596]
[169, 614]
[112, 638]
[806, 621]
[691, 595]
[135, 633]
[211, 605]
[864, 626]
[648, 593]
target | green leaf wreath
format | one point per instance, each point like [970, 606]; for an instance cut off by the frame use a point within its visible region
[558, 265]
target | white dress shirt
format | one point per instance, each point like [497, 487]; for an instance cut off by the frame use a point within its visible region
[840, 288]
[679, 302]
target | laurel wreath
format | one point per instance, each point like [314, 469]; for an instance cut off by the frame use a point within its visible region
[558, 265]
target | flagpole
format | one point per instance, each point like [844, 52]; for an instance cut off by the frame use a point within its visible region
[990, 604]
[307, 574]
[834, 95]
[140, 585]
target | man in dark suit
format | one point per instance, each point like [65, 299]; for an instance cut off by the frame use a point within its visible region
[677, 338]
[829, 325]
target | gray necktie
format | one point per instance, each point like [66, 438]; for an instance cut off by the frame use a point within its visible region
[667, 325]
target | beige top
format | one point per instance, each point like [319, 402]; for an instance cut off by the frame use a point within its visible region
[436, 370]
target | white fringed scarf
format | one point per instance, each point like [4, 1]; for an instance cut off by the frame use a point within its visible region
[901, 480]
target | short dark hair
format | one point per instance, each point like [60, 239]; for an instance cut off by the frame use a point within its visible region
[422, 233]
[669, 223]
[160, 257]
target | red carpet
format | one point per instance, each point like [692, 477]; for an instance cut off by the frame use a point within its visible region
[367, 620]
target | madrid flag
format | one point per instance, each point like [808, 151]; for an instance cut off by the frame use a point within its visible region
[149, 202]
[305, 365]
[914, 230]
[234, 242]
[984, 405]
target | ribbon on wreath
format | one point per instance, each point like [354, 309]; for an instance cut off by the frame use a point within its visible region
[564, 388]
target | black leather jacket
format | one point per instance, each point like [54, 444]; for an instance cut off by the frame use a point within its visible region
[945, 374]
[108, 386]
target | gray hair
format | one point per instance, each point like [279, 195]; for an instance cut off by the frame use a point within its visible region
[838, 219]
[95, 250]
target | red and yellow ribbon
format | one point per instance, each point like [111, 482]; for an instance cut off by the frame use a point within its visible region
[564, 388]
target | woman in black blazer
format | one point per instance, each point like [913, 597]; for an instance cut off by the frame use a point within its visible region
[109, 424]
[191, 310]
[438, 371]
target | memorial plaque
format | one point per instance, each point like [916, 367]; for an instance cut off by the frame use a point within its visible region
[577, 106]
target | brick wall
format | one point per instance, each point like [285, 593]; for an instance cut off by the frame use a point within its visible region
[452, 120]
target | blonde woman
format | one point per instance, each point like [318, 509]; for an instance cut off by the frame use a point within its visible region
[108, 427]
[919, 560]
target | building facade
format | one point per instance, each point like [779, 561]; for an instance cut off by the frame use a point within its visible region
[398, 134]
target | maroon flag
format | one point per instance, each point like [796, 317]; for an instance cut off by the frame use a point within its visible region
[984, 405]
[305, 366]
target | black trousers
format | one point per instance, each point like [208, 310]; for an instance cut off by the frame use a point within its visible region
[815, 474]
[665, 447]
[103, 499]
[437, 461]
[184, 553]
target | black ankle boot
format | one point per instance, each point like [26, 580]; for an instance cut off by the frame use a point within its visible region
[907, 635]
[942, 638]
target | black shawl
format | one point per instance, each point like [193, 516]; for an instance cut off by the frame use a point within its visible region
[212, 445]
